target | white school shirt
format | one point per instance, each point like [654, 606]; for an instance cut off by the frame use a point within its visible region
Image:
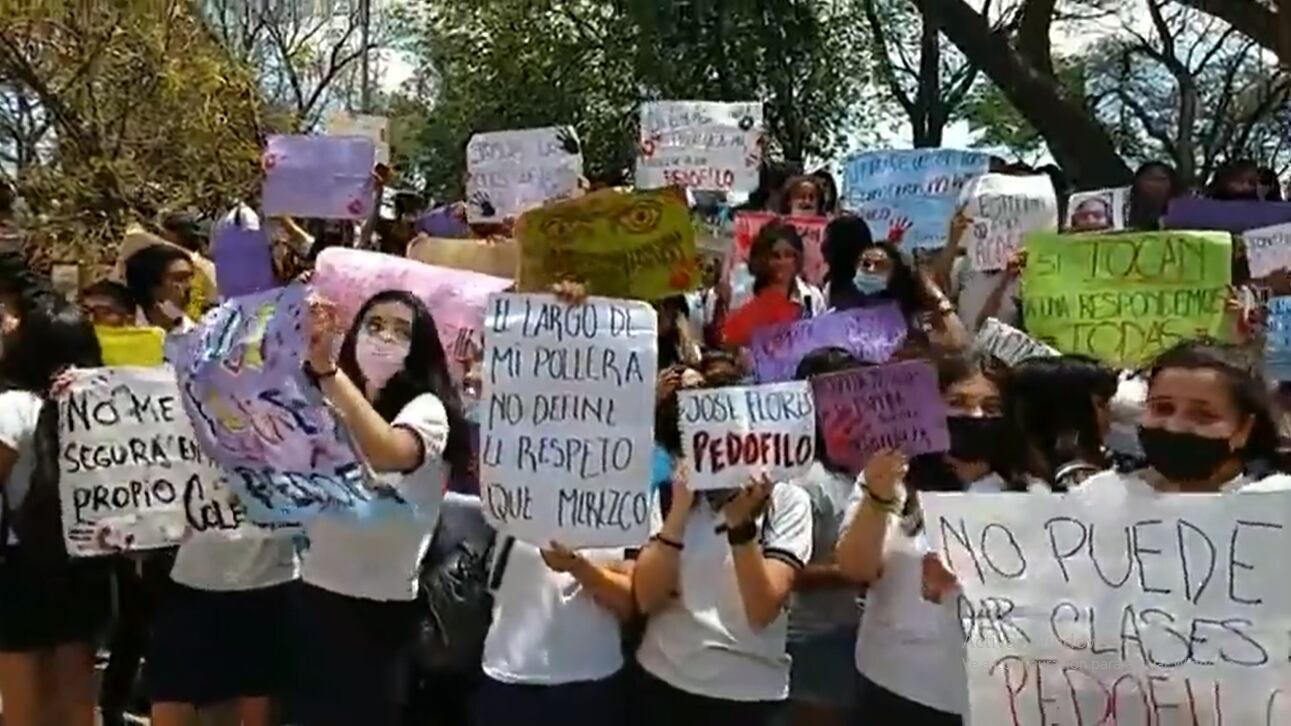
[1112, 483]
[823, 611]
[217, 562]
[970, 289]
[702, 304]
[381, 560]
[19, 412]
[547, 629]
[701, 642]
[907, 645]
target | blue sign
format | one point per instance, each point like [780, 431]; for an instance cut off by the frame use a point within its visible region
[918, 187]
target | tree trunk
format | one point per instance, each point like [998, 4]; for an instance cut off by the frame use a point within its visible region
[927, 123]
[1081, 146]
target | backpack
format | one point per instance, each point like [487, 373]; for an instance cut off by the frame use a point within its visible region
[458, 576]
[38, 521]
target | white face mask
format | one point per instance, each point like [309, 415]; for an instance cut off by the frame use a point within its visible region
[379, 358]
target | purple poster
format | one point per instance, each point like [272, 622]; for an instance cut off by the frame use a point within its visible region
[327, 177]
[872, 334]
[254, 412]
[243, 261]
[1199, 213]
[895, 406]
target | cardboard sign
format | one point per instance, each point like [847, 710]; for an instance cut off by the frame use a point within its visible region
[498, 258]
[810, 229]
[1100, 210]
[328, 177]
[872, 334]
[253, 412]
[732, 435]
[1277, 340]
[455, 298]
[509, 172]
[567, 420]
[131, 473]
[1014, 206]
[1009, 345]
[1124, 298]
[1268, 249]
[894, 406]
[1079, 609]
[243, 258]
[131, 346]
[374, 128]
[700, 145]
[919, 186]
[628, 245]
[1234, 216]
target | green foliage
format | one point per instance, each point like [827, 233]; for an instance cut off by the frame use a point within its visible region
[487, 65]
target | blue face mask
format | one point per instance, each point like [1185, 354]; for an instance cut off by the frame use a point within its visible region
[870, 283]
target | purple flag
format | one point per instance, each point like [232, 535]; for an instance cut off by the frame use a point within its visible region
[326, 177]
[872, 334]
[1199, 213]
[243, 261]
[895, 406]
[257, 416]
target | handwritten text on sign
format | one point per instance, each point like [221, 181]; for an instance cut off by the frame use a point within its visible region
[567, 419]
[920, 186]
[1268, 249]
[700, 144]
[895, 406]
[131, 473]
[872, 334]
[1174, 610]
[511, 171]
[1277, 340]
[1014, 206]
[255, 414]
[1123, 298]
[730, 435]
[1008, 344]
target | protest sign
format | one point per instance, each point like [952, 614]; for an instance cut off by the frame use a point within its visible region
[893, 406]
[872, 334]
[732, 435]
[131, 346]
[700, 145]
[1009, 345]
[630, 245]
[131, 474]
[920, 186]
[1015, 206]
[329, 177]
[255, 414]
[1200, 213]
[1100, 210]
[567, 419]
[499, 258]
[810, 229]
[374, 128]
[1268, 249]
[1078, 610]
[1123, 298]
[455, 298]
[243, 258]
[1277, 340]
[509, 172]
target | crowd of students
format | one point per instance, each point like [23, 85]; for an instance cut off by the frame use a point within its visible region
[812, 601]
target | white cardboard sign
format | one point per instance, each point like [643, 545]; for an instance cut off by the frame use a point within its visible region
[730, 435]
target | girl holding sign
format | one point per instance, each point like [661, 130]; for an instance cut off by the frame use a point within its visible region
[780, 294]
[910, 650]
[51, 609]
[391, 389]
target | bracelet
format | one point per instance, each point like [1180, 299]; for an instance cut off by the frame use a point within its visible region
[889, 501]
[309, 371]
[743, 534]
[888, 506]
[666, 542]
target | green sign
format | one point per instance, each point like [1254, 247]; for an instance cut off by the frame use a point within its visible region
[1124, 298]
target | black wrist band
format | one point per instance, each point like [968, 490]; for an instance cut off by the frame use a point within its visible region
[316, 376]
[666, 542]
[743, 534]
[887, 501]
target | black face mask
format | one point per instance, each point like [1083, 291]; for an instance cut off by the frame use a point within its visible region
[974, 438]
[1180, 456]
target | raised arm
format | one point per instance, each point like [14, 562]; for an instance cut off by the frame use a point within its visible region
[861, 548]
[657, 573]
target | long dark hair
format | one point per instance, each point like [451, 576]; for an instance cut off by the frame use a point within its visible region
[1224, 175]
[52, 335]
[785, 194]
[846, 237]
[1145, 214]
[425, 370]
[1246, 387]
[1050, 414]
[146, 268]
[765, 241]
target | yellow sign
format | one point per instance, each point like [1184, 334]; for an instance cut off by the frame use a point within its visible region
[131, 346]
[628, 245]
[498, 258]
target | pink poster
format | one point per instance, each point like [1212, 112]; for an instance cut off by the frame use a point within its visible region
[811, 229]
